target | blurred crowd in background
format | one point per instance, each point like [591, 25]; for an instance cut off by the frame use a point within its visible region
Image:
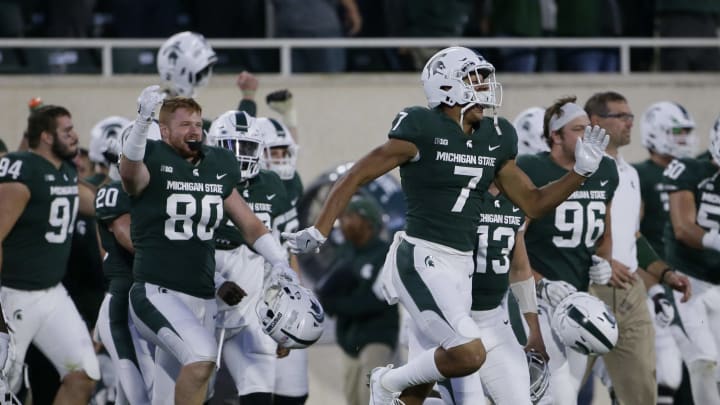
[256, 19]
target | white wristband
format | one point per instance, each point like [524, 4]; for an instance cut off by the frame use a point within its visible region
[134, 145]
[270, 249]
[524, 292]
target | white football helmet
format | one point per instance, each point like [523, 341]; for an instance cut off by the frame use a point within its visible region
[237, 131]
[108, 128]
[585, 324]
[277, 136]
[185, 63]
[529, 127]
[290, 314]
[539, 376]
[443, 79]
[668, 129]
[714, 146]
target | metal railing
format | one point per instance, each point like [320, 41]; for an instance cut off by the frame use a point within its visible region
[285, 46]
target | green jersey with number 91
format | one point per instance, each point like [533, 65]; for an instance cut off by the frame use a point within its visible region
[174, 218]
[266, 196]
[36, 251]
[560, 245]
[445, 183]
[499, 223]
[111, 202]
[702, 179]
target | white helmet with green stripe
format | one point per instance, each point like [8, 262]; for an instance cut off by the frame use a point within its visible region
[585, 324]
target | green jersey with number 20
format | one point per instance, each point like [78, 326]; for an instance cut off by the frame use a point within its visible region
[560, 245]
[111, 202]
[444, 184]
[702, 179]
[36, 251]
[499, 223]
[174, 218]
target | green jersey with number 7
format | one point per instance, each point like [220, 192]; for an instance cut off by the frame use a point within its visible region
[445, 183]
[175, 218]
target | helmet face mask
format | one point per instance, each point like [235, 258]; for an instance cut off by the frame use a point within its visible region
[459, 76]
[185, 63]
[291, 315]
[668, 129]
[237, 132]
[539, 375]
[585, 324]
[280, 149]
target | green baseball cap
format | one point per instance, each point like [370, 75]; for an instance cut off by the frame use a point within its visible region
[366, 208]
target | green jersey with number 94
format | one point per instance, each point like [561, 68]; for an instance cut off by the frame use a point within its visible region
[560, 245]
[702, 179]
[444, 184]
[174, 218]
[35, 252]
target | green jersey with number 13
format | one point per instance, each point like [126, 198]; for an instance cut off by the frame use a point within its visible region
[445, 183]
[174, 218]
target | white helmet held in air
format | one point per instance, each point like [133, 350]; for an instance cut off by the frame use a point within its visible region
[539, 375]
[529, 128]
[278, 138]
[443, 79]
[714, 146]
[291, 315]
[237, 131]
[185, 62]
[668, 129]
[105, 130]
[585, 324]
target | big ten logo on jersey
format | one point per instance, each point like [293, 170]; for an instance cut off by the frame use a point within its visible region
[440, 141]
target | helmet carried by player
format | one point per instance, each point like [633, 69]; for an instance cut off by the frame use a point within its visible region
[280, 149]
[585, 324]
[459, 76]
[539, 375]
[100, 135]
[529, 128]
[668, 128]
[290, 314]
[185, 63]
[237, 131]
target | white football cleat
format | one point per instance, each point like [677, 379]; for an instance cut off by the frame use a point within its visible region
[379, 395]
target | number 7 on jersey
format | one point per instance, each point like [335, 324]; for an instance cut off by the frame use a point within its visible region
[475, 174]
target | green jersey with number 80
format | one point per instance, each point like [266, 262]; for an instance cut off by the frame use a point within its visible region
[560, 245]
[702, 179]
[499, 223]
[444, 184]
[36, 251]
[174, 218]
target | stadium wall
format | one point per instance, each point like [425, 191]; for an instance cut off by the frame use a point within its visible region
[343, 116]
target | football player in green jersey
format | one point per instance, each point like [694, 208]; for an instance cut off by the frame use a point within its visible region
[565, 249]
[180, 191]
[448, 154]
[40, 198]
[692, 245]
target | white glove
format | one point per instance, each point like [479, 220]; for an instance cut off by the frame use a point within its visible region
[600, 271]
[149, 100]
[304, 241]
[664, 310]
[711, 240]
[590, 150]
[282, 271]
[554, 291]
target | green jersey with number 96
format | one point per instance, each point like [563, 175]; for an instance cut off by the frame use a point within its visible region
[702, 179]
[36, 251]
[560, 245]
[499, 223]
[174, 218]
[444, 184]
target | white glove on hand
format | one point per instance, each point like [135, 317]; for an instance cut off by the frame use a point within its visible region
[590, 150]
[711, 240]
[304, 241]
[282, 271]
[600, 271]
[149, 100]
[664, 310]
[554, 291]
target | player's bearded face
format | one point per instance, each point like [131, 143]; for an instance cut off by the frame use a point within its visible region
[185, 133]
[65, 140]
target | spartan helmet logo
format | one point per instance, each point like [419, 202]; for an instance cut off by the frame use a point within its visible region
[438, 67]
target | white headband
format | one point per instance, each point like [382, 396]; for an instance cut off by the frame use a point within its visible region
[570, 111]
